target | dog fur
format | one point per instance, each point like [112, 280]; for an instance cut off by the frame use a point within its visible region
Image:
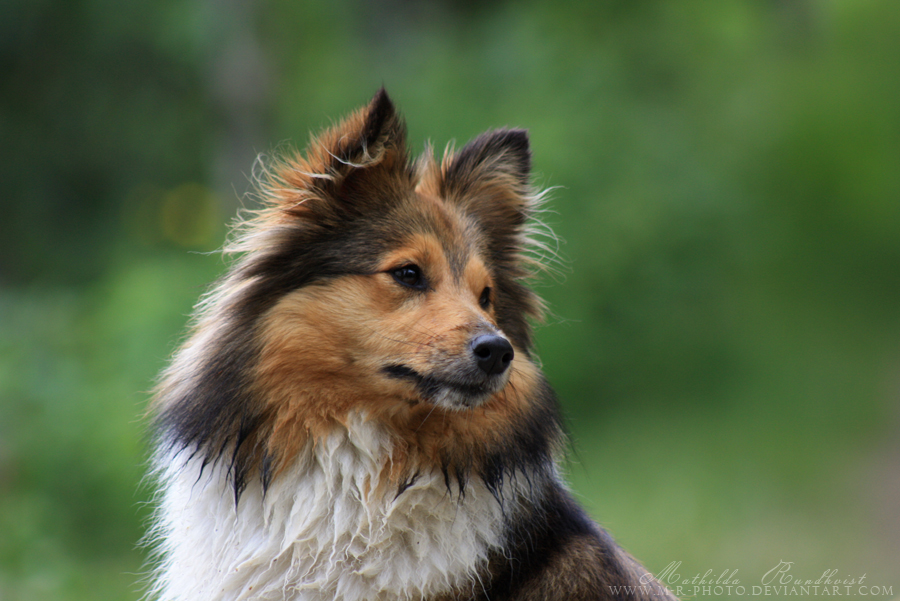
[356, 414]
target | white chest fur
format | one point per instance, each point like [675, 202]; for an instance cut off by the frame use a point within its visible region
[318, 533]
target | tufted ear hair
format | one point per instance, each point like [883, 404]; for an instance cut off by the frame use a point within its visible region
[501, 152]
[490, 179]
[348, 168]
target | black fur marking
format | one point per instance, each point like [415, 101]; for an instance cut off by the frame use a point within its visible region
[539, 537]
[356, 181]
[430, 387]
[383, 129]
[405, 484]
[509, 144]
[266, 471]
[513, 301]
[533, 540]
[401, 372]
[457, 257]
[381, 121]
[528, 450]
[461, 471]
[212, 416]
[445, 470]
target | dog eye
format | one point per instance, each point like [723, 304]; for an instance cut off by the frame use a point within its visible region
[410, 276]
[485, 299]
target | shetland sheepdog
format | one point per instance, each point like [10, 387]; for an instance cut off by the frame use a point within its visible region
[356, 413]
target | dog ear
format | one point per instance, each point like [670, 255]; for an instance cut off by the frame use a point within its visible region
[350, 167]
[490, 179]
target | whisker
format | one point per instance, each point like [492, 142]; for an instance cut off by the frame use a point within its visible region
[433, 407]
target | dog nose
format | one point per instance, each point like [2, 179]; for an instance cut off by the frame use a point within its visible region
[492, 353]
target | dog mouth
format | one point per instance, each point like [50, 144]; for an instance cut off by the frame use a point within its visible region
[455, 393]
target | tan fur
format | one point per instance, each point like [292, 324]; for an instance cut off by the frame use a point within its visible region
[323, 346]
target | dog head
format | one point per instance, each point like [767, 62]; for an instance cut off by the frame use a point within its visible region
[366, 282]
[392, 278]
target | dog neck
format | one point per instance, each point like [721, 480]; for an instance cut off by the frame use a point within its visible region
[325, 528]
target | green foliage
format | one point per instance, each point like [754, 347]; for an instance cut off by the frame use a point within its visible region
[724, 331]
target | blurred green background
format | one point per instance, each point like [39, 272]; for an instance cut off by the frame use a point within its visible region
[726, 329]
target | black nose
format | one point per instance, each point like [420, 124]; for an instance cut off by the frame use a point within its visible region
[492, 353]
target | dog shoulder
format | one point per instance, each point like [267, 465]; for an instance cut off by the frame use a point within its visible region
[556, 552]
